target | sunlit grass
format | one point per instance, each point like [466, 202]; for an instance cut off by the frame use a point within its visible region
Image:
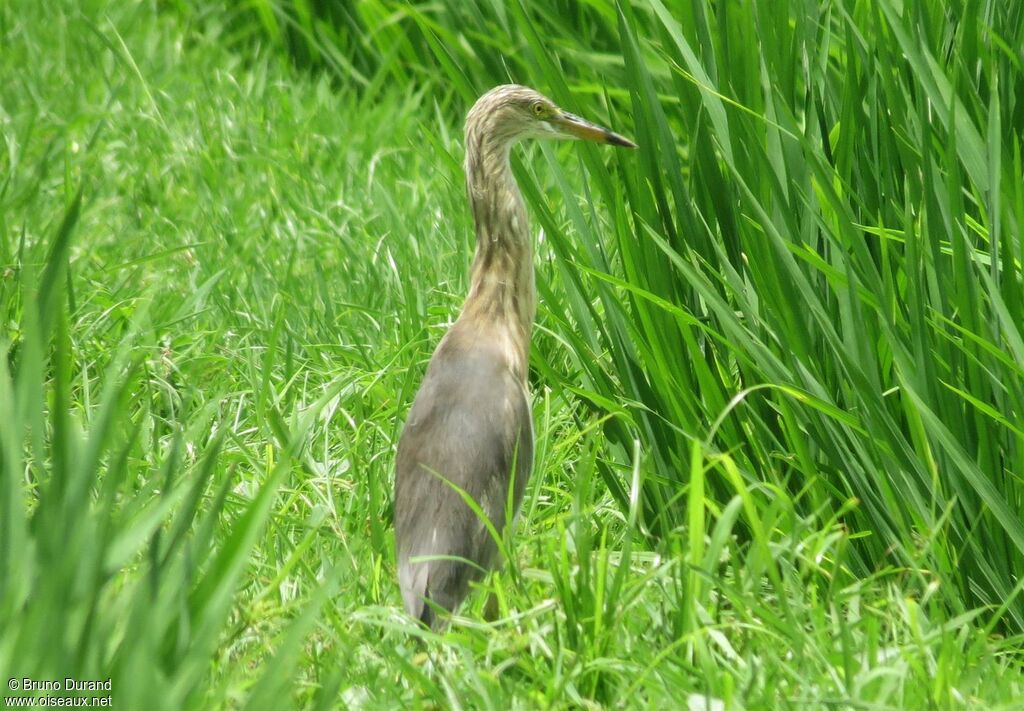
[776, 371]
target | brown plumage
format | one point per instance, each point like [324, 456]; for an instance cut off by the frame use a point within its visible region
[470, 425]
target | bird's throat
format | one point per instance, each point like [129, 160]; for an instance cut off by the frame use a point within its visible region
[502, 290]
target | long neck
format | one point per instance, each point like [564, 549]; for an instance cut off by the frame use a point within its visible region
[502, 289]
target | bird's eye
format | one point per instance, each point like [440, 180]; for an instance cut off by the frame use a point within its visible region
[538, 109]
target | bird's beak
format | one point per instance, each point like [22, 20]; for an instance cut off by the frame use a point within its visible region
[575, 127]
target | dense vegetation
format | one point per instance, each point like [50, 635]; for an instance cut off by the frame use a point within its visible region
[778, 370]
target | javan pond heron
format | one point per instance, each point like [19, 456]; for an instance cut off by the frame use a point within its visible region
[469, 432]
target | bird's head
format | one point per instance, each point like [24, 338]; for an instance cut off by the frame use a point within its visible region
[512, 112]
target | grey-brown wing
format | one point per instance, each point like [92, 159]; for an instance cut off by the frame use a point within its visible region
[470, 425]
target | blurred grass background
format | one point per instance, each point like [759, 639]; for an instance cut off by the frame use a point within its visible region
[777, 369]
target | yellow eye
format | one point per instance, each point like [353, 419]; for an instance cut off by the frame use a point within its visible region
[538, 108]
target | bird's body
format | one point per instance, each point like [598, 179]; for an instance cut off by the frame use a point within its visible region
[469, 432]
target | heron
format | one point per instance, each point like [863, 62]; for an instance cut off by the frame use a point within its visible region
[469, 432]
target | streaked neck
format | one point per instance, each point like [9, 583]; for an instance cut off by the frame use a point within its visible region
[502, 288]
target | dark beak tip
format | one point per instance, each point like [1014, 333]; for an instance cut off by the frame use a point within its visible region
[617, 140]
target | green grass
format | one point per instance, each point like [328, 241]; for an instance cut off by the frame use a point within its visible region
[776, 374]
